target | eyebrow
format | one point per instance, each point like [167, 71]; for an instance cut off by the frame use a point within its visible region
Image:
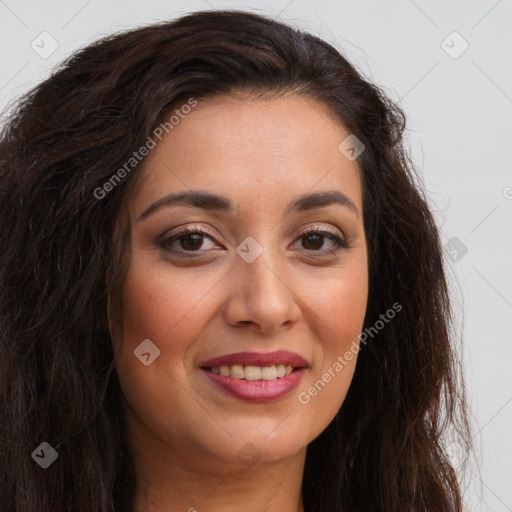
[207, 201]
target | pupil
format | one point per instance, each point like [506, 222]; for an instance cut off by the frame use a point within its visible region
[194, 246]
[318, 239]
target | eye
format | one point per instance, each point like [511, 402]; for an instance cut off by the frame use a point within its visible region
[185, 240]
[314, 239]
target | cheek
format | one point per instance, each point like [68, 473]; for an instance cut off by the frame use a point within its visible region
[170, 309]
[340, 308]
[166, 307]
[339, 305]
[348, 308]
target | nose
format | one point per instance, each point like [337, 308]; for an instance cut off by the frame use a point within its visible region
[262, 295]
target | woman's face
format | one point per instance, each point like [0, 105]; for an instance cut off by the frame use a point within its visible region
[252, 284]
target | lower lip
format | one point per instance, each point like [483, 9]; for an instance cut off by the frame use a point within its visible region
[257, 390]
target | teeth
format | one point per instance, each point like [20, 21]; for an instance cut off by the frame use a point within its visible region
[269, 373]
[250, 372]
[237, 371]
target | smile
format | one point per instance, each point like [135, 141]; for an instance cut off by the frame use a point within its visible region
[256, 376]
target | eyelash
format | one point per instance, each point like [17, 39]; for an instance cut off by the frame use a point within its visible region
[339, 242]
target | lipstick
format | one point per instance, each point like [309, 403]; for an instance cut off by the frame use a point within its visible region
[256, 376]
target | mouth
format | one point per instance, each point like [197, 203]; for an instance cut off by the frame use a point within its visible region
[256, 376]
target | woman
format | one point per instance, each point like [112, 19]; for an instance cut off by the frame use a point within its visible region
[221, 284]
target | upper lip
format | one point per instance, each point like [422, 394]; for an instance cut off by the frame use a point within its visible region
[275, 358]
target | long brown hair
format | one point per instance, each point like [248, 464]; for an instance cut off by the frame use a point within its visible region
[60, 265]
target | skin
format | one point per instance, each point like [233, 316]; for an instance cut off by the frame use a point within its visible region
[185, 434]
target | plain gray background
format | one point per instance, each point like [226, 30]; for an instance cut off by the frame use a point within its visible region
[459, 105]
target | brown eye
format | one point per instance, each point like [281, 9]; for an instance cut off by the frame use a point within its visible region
[187, 241]
[314, 241]
[191, 242]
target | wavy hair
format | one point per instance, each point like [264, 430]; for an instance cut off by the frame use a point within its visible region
[63, 261]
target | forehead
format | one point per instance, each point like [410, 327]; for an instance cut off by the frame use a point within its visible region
[251, 149]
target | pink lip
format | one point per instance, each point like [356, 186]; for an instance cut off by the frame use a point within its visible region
[258, 359]
[257, 390]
